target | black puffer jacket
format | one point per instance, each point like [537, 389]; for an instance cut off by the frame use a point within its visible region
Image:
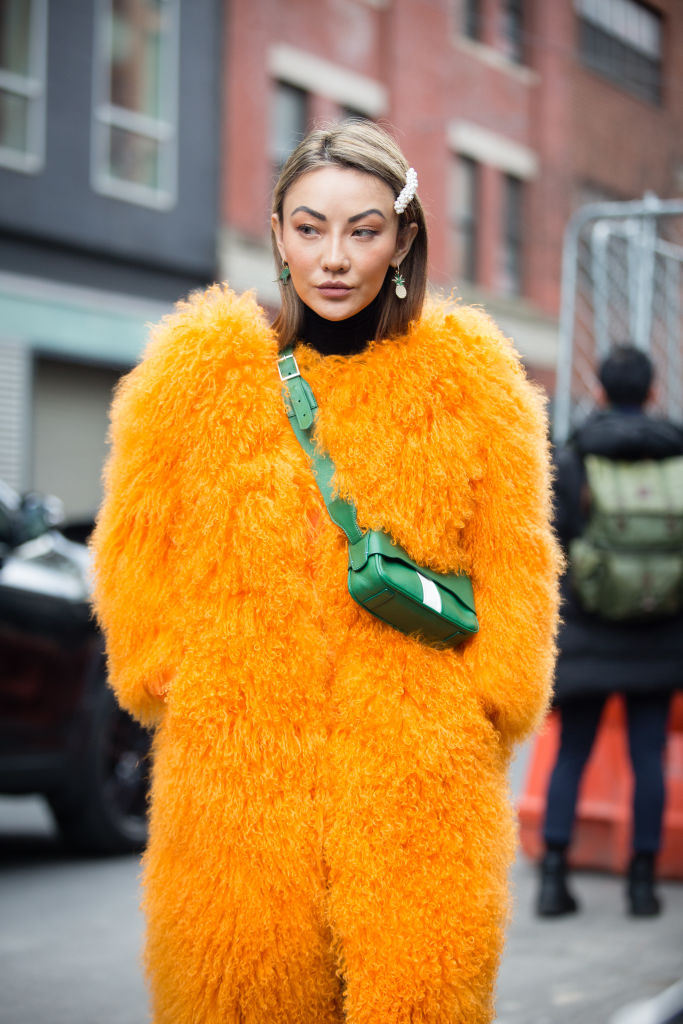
[598, 656]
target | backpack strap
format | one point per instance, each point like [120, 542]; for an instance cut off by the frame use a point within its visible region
[302, 410]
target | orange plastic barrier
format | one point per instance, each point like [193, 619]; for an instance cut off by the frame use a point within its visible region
[602, 829]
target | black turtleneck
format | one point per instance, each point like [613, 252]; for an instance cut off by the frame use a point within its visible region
[341, 337]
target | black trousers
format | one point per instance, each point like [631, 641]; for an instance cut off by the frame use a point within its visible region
[647, 722]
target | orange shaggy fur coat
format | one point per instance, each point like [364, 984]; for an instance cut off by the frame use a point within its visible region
[330, 826]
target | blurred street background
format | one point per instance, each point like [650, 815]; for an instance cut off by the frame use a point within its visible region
[139, 142]
[140, 139]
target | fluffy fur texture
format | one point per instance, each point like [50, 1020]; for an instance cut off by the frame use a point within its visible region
[330, 822]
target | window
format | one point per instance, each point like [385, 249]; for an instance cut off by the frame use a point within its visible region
[622, 40]
[464, 195]
[135, 113]
[585, 192]
[513, 30]
[471, 19]
[23, 60]
[510, 280]
[351, 114]
[289, 121]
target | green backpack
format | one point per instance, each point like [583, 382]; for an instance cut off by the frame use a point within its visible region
[629, 562]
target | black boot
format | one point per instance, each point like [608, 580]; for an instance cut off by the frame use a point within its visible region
[554, 898]
[640, 889]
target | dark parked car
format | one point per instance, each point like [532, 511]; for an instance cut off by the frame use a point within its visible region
[62, 734]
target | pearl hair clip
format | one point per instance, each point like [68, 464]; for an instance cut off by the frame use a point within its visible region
[408, 191]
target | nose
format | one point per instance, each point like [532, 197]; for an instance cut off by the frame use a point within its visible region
[334, 258]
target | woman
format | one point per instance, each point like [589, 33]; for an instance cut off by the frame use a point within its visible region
[330, 828]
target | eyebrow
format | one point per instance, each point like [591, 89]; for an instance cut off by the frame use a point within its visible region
[352, 220]
[366, 213]
[310, 212]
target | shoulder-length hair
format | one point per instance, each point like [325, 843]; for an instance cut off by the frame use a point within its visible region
[362, 146]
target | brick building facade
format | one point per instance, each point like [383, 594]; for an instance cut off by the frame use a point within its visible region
[514, 112]
[136, 163]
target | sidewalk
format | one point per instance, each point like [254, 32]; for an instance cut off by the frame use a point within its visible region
[574, 970]
[584, 967]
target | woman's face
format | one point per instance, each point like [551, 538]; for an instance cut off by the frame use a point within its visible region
[339, 235]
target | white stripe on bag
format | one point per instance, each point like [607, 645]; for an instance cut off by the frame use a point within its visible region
[430, 593]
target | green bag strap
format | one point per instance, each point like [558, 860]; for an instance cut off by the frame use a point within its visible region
[302, 408]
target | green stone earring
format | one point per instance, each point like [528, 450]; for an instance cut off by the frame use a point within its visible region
[285, 273]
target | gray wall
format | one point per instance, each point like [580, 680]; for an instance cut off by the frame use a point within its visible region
[59, 208]
[69, 432]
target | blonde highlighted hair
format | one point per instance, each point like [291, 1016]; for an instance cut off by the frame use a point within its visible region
[361, 146]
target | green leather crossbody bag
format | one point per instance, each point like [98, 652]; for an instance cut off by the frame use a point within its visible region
[439, 608]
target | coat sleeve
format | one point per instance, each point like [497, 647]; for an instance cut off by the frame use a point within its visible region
[513, 550]
[135, 542]
[179, 442]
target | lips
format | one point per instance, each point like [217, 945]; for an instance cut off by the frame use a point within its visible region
[333, 289]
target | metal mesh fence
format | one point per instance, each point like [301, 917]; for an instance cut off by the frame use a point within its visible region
[622, 280]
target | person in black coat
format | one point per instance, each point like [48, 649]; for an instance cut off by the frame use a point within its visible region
[641, 660]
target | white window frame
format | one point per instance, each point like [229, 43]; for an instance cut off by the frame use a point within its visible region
[106, 116]
[321, 77]
[31, 87]
[486, 147]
